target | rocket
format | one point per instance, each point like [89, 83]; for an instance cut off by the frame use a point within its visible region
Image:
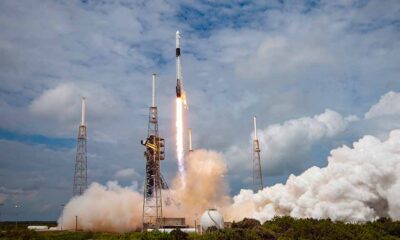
[178, 65]
[180, 93]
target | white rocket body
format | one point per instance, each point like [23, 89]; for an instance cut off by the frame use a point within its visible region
[180, 93]
[178, 57]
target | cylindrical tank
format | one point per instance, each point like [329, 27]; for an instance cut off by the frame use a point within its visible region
[211, 218]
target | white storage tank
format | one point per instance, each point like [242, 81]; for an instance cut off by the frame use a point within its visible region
[211, 218]
[38, 228]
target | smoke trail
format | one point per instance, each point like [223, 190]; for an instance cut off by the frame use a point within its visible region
[110, 208]
[179, 140]
[358, 184]
[117, 209]
[205, 186]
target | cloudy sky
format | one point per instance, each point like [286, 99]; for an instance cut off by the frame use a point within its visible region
[318, 74]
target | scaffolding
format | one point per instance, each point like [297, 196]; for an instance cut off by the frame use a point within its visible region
[154, 181]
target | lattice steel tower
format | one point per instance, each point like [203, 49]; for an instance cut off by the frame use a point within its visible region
[80, 176]
[153, 182]
[257, 172]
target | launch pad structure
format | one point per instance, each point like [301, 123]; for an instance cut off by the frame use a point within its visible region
[154, 181]
[257, 171]
[80, 176]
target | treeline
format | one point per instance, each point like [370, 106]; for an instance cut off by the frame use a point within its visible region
[247, 229]
[290, 228]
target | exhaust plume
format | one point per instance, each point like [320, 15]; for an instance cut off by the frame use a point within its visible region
[109, 208]
[358, 184]
[205, 186]
[113, 208]
[179, 140]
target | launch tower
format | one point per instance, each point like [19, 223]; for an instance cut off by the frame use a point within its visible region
[257, 172]
[80, 176]
[154, 182]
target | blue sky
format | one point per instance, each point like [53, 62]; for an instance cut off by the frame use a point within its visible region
[310, 70]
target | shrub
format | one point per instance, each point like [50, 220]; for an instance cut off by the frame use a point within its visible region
[247, 223]
[177, 234]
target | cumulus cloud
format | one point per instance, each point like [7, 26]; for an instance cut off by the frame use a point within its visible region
[127, 173]
[279, 57]
[358, 184]
[60, 108]
[296, 137]
[64, 102]
[61, 102]
[285, 146]
[389, 104]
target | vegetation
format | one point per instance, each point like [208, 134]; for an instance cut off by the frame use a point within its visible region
[278, 228]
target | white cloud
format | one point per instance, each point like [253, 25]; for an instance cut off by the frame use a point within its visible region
[61, 102]
[279, 58]
[389, 104]
[127, 173]
[296, 137]
[64, 103]
[57, 112]
[285, 146]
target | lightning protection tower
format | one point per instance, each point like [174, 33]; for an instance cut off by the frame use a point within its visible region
[257, 172]
[190, 141]
[80, 176]
[153, 182]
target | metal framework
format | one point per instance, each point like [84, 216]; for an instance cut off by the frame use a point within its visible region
[80, 176]
[257, 172]
[153, 182]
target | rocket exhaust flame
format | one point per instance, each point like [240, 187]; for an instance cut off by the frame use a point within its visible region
[179, 140]
[180, 104]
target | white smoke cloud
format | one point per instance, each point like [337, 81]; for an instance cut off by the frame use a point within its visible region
[205, 185]
[119, 209]
[104, 208]
[389, 104]
[358, 184]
